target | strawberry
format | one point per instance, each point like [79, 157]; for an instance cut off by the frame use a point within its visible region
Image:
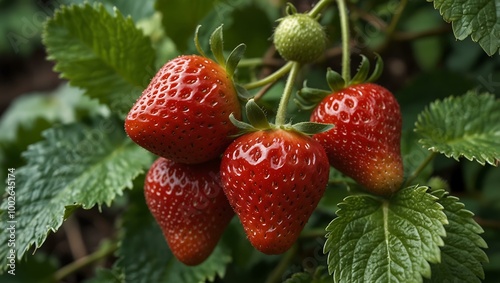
[365, 142]
[188, 203]
[299, 37]
[274, 180]
[183, 115]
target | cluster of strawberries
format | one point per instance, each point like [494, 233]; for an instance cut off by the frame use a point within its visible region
[271, 177]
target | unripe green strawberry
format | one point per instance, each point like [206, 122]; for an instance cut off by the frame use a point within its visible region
[300, 38]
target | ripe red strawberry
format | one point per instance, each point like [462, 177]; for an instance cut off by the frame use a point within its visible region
[189, 204]
[365, 142]
[183, 115]
[274, 180]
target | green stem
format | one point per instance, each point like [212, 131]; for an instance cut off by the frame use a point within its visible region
[277, 274]
[271, 78]
[346, 54]
[420, 168]
[319, 7]
[287, 93]
[250, 62]
[102, 252]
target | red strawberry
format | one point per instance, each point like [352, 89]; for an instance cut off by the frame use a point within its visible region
[274, 180]
[189, 204]
[183, 113]
[365, 142]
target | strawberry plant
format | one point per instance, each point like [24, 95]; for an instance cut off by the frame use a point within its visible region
[267, 159]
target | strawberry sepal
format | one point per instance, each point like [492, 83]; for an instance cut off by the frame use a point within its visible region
[311, 128]
[308, 98]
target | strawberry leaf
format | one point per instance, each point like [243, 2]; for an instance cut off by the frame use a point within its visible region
[155, 262]
[76, 165]
[462, 255]
[467, 126]
[214, 266]
[375, 239]
[477, 18]
[110, 59]
[319, 276]
[105, 276]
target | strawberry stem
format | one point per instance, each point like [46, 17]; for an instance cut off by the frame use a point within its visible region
[346, 54]
[271, 78]
[318, 7]
[287, 93]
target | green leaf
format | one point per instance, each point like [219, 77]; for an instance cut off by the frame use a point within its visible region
[60, 106]
[110, 59]
[477, 18]
[39, 268]
[136, 9]
[319, 276]
[105, 276]
[462, 255]
[76, 165]
[214, 266]
[467, 126]
[379, 240]
[151, 260]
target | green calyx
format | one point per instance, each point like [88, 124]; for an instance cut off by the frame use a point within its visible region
[307, 98]
[257, 121]
[299, 37]
[230, 63]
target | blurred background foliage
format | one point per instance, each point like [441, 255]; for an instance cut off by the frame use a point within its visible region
[423, 62]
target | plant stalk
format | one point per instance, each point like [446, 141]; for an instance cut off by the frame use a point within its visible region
[271, 78]
[319, 7]
[420, 168]
[346, 54]
[287, 93]
[102, 252]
